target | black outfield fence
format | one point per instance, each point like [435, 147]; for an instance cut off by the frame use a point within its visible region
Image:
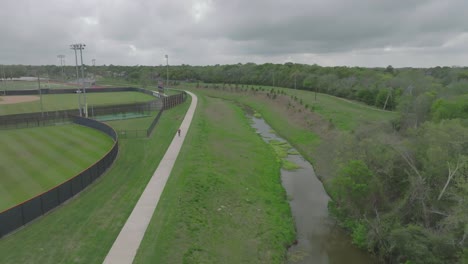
[153, 124]
[173, 100]
[36, 119]
[132, 133]
[72, 90]
[143, 107]
[168, 102]
[48, 118]
[19, 215]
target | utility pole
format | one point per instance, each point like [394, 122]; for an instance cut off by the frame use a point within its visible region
[40, 93]
[167, 70]
[4, 79]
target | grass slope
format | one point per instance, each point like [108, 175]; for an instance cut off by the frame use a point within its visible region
[35, 160]
[300, 136]
[140, 123]
[224, 202]
[313, 132]
[83, 230]
[53, 102]
[344, 114]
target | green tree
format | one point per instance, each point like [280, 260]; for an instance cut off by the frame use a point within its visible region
[352, 187]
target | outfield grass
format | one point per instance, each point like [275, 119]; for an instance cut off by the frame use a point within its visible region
[53, 102]
[30, 85]
[34, 160]
[83, 230]
[223, 202]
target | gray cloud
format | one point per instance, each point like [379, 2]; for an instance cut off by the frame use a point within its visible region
[333, 32]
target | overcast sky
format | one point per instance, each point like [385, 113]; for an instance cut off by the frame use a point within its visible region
[417, 33]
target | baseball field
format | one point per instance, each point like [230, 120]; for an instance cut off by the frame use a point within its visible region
[34, 160]
[54, 102]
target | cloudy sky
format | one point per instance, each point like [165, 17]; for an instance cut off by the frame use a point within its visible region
[417, 33]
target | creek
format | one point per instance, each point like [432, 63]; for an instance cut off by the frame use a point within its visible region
[319, 238]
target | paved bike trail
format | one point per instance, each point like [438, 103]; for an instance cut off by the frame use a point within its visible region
[127, 243]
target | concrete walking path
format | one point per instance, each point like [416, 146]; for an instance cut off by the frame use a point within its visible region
[127, 243]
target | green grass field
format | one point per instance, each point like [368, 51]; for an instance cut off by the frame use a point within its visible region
[53, 102]
[224, 202]
[34, 160]
[344, 114]
[106, 81]
[83, 230]
[30, 85]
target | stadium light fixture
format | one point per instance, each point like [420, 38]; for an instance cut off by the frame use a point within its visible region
[81, 47]
[75, 47]
[62, 57]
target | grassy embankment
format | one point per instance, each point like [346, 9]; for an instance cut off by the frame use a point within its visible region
[83, 230]
[224, 202]
[34, 160]
[311, 131]
[53, 102]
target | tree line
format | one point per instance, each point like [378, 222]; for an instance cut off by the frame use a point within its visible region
[379, 87]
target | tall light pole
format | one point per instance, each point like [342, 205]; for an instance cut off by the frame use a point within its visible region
[83, 78]
[167, 70]
[94, 70]
[4, 79]
[40, 93]
[75, 47]
[61, 57]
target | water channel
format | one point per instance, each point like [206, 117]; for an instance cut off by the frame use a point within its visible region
[319, 238]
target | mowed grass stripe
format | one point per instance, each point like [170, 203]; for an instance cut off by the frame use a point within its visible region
[15, 180]
[25, 156]
[74, 145]
[59, 146]
[38, 159]
[53, 166]
[88, 142]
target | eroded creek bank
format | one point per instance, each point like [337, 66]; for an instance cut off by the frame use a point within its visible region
[319, 238]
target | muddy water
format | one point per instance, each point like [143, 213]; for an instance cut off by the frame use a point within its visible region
[319, 239]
